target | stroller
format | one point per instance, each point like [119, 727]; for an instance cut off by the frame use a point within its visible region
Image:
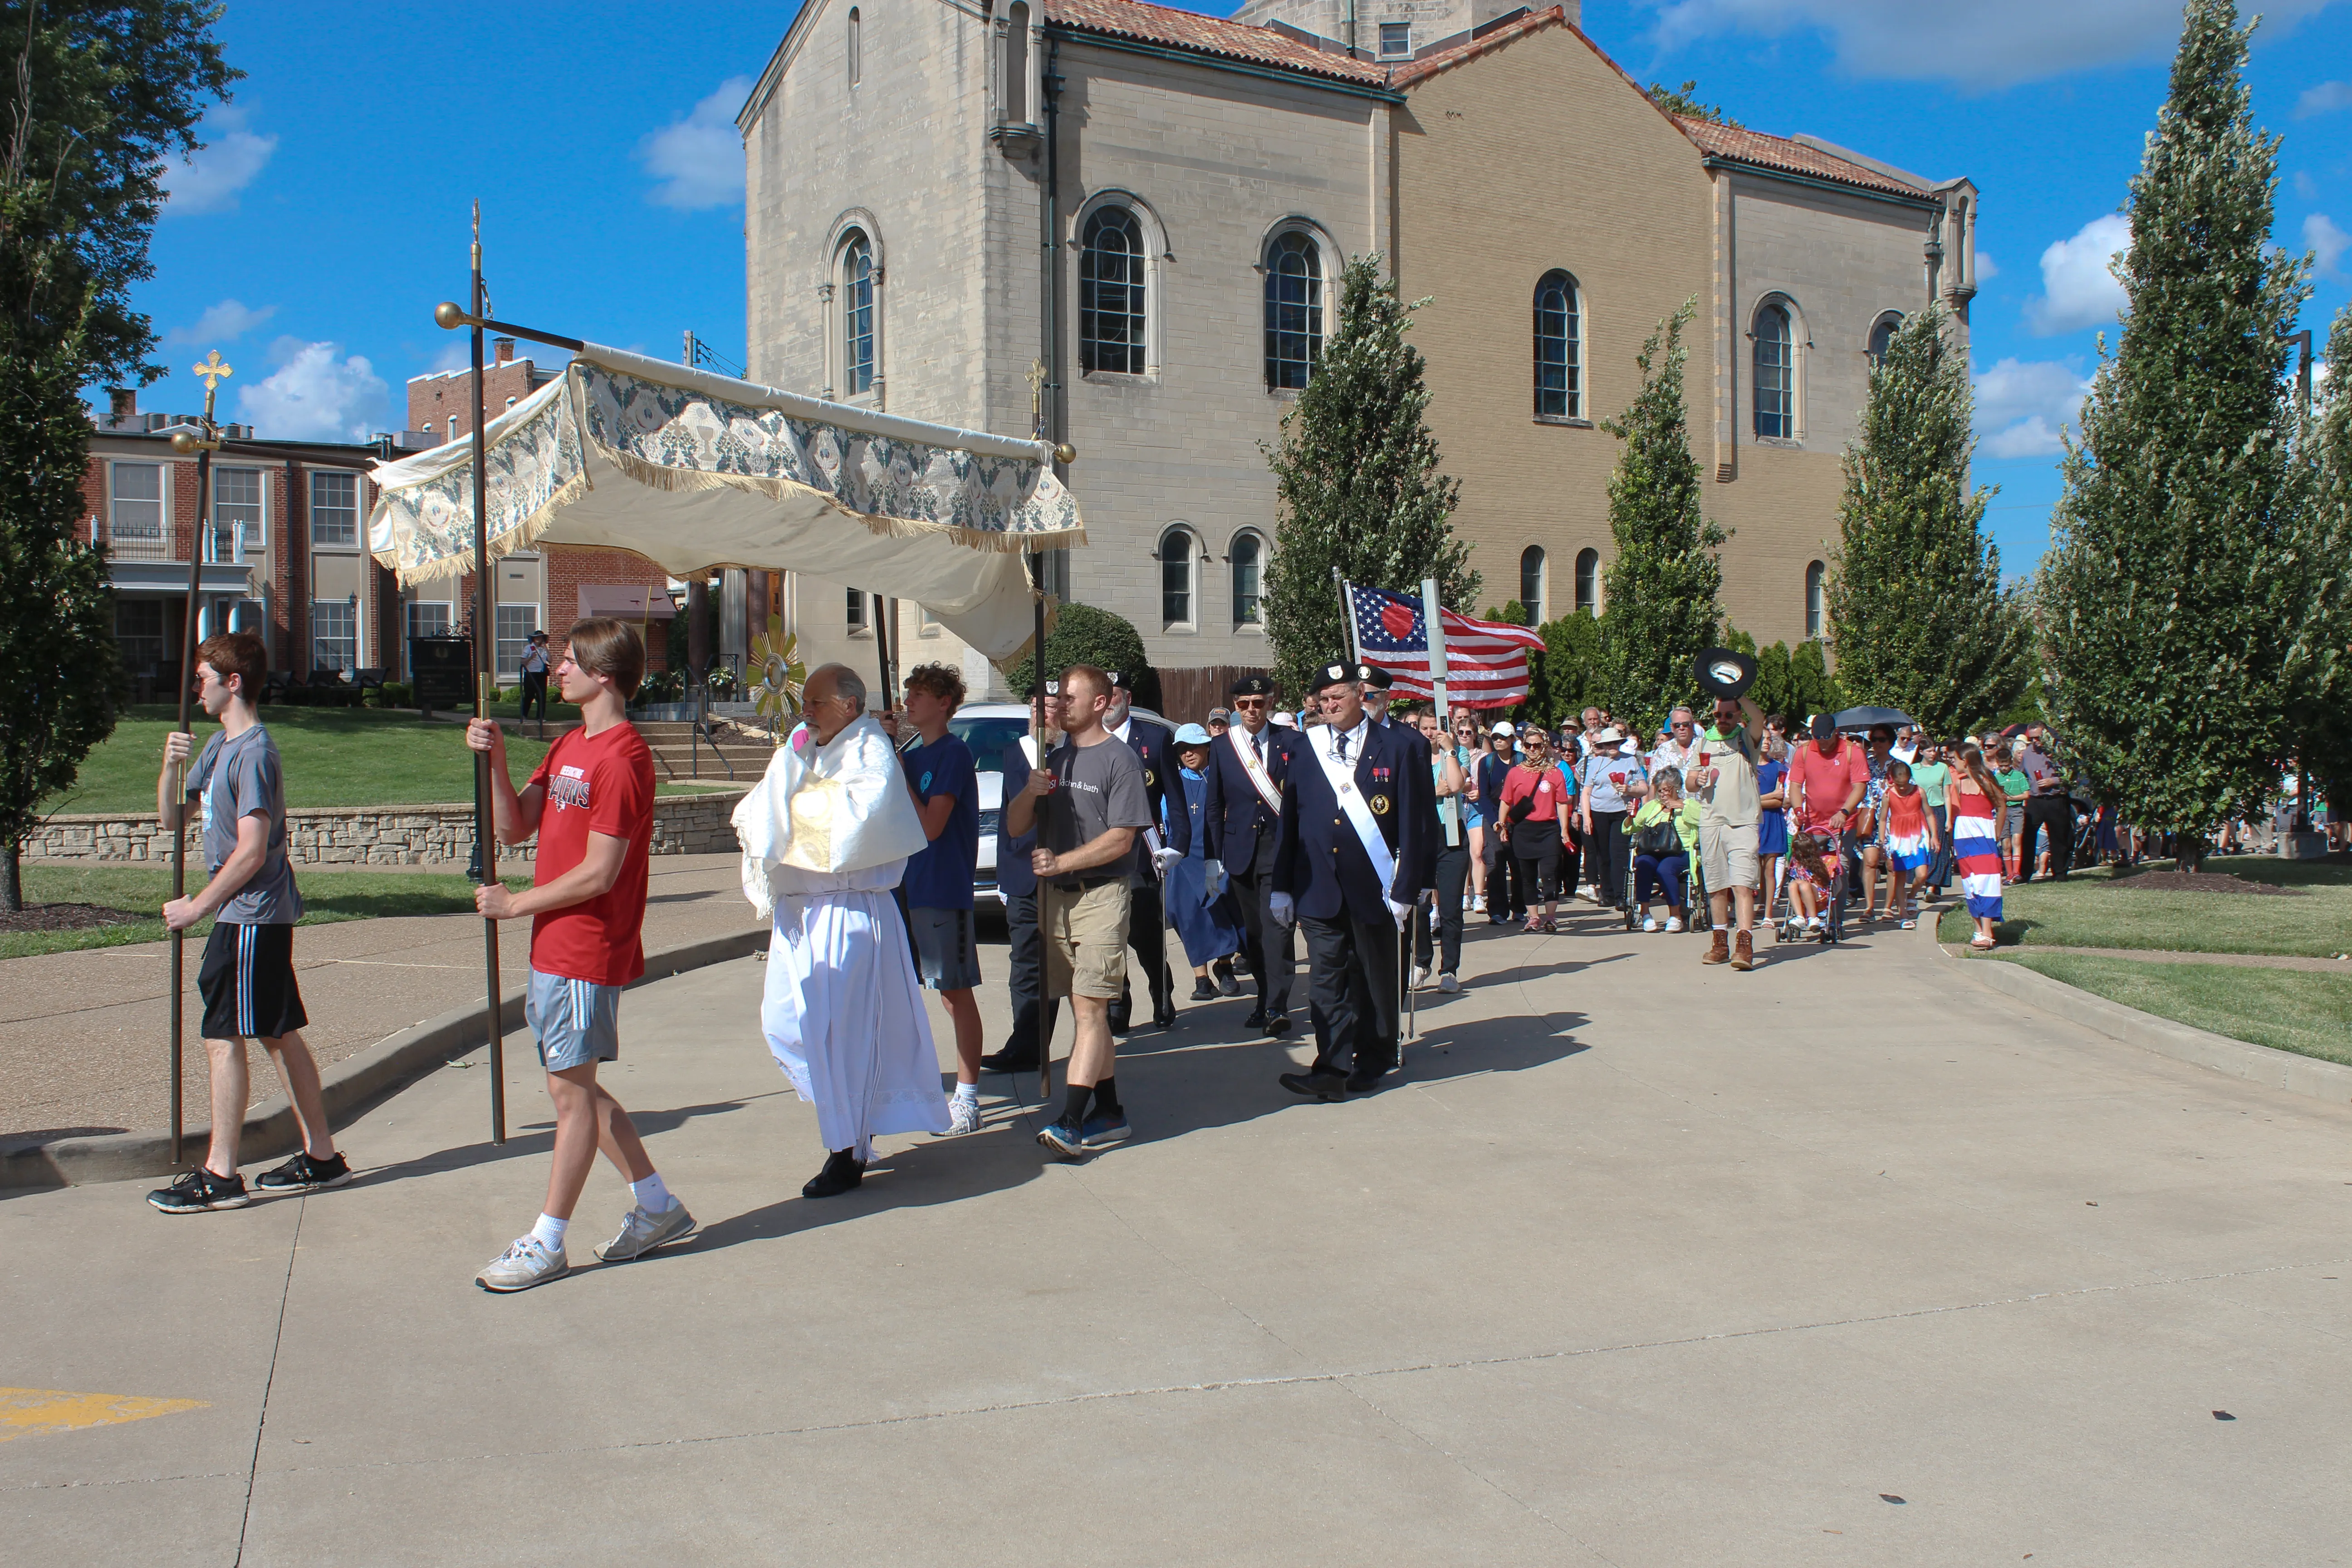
[1846, 854]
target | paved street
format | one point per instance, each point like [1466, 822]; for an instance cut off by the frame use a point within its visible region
[1845, 1261]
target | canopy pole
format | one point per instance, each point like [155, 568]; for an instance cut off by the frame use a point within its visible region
[1037, 740]
[485, 649]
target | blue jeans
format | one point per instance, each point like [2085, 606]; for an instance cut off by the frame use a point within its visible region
[1651, 872]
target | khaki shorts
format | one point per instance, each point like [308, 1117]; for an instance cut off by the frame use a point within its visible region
[1727, 855]
[1085, 933]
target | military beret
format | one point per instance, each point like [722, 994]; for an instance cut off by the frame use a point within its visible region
[1334, 675]
[1379, 679]
[1252, 686]
[1119, 681]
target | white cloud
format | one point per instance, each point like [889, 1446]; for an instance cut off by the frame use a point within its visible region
[2022, 404]
[231, 158]
[315, 396]
[2325, 98]
[1986, 273]
[1988, 44]
[224, 322]
[699, 159]
[2078, 288]
[2327, 242]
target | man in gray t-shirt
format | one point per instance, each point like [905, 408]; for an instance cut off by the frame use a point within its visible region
[1096, 788]
[247, 977]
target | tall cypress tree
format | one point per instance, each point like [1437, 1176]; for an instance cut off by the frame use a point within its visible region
[1916, 605]
[1664, 583]
[1358, 482]
[2169, 595]
[2320, 704]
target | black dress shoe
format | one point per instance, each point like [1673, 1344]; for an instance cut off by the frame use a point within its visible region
[1164, 1016]
[1256, 1020]
[1362, 1082]
[1012, 1058]
[1203, 991]
[1222, 972]
[1323, 1084]
[840, 1175]
[1277, 1027]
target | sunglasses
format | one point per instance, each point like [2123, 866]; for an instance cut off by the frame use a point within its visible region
[1250, 702]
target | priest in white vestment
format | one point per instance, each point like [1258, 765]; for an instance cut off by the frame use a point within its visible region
[826, 837]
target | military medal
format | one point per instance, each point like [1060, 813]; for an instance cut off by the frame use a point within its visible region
[1380, 804]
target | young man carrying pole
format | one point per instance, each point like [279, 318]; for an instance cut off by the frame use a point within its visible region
[587, 904]
[246, 978]
[1088, 803]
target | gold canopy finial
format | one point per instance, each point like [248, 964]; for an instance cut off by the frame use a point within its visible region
[212, 371]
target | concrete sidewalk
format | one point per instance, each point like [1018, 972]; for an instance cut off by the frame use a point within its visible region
[1848, 1260]
[85, 1037]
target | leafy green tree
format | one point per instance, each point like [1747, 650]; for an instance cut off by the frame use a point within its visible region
[1668, 569]
[1085, 634]
[2320, 707]
[1916, 609]
[1678, 100]
[1812, 687]
[101, 96]
[2170, 596]
[1358, 482]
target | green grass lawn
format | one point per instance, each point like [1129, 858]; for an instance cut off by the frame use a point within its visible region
[2096, 909]
[334, 756]
[326, 897]
[2289, 1010]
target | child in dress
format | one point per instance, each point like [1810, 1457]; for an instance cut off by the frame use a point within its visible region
[1809, 879]
[1912, 838]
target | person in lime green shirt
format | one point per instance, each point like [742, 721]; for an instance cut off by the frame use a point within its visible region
[1666, 873]
[2015, 786]
[1932, 775]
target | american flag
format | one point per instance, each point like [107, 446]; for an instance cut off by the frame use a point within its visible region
[1486, 661]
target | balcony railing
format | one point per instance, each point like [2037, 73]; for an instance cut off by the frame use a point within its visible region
[136, 546]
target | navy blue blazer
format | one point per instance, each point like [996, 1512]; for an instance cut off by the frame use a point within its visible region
[1236, 821]
[1155, 746]
[1318, 858]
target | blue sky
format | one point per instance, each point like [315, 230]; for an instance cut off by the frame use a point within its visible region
[310, 239]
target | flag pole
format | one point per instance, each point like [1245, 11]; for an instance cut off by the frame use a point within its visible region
[485, 649]
[1346, 617]
[1432, 625]
[203, 443]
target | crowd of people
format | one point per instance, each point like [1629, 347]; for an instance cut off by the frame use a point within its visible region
[1367, 832]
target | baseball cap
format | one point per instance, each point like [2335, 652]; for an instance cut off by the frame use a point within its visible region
[1504, 727]
[1823, 727]
[1193, 735]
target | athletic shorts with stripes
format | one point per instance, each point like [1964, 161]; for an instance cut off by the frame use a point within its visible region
[575, 1022]
[246, 981]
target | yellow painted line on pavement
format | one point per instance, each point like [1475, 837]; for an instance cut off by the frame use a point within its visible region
[38, 1412]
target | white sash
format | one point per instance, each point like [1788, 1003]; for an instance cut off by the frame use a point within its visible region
[1246, 755]
[1360, 815]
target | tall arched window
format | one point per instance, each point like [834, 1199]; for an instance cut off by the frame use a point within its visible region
[1248, 555]
[1110, 293]
[1884, 333]
[1559, 349]
[1014, 94]
[856, 314]
[1776, 377]
[1176, 577]
[1587, 581]
[1816, 600]
[1531, 583]
[1294, 308]
[854, 49]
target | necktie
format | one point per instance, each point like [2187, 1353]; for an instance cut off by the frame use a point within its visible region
[1257, 744]
[1340, 753]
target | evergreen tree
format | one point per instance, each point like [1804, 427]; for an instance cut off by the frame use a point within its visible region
[100, 96]
[2320, 707]
[1812, 687]
[2169, 591]
[1569, 668]
[1088, 634]
[1916, 605]
[1662, 585]
[1357, 483]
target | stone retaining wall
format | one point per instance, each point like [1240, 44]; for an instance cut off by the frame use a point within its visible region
[379, 835]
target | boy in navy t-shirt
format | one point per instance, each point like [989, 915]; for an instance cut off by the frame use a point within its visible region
[938, 886]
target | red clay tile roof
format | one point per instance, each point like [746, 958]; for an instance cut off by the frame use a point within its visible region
[1791, 157]
[1209, 36]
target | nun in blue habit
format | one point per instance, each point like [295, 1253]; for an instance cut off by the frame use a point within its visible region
[1207, 922]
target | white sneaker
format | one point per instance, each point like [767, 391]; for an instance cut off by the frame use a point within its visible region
[1420, 978]
[1649, 922]
[528, 1262]
[1673, 923]
[1447, 983]
[1478, 904]
[645, 1230]
[963, 1116]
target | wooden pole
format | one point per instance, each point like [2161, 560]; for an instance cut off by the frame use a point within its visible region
[1037, 738]
[486, 652]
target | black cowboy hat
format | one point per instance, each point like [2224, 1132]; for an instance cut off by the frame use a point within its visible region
[1723, 672]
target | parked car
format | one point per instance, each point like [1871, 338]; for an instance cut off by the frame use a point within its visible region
[992, 729]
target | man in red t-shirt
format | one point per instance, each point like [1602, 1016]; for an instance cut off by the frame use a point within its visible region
[1828, 775]
[591, 802]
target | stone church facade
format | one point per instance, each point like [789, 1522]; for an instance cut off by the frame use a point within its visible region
[1155, 206]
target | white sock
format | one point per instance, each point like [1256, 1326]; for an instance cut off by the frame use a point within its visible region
[550, 1231]
[652, 1194]
[1723, 928]
[969, 1093]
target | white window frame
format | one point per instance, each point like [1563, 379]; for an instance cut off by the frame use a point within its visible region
[1405, 40]
[1817, 600]
[1152, 237]
[1190, 620]
[352, 544]
[223, 536]
[1330, 267]
[336, 609]
[1593, 556]
[162, 503]
[521, 644]
[1578, 392]
[1800, 344]
[1543, 583]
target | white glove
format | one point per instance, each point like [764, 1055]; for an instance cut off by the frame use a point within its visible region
[1283, 908]
[1399, 913]
[1166, 859]
[1213, 877]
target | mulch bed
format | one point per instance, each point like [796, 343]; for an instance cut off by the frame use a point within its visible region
[68, 916]
[2202, 882]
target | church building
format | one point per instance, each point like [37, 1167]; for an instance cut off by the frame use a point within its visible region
[1154, 207]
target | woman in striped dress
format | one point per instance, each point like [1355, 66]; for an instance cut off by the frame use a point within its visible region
[1976, 797]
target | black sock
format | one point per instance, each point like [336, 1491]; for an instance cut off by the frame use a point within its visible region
[1074, 1104]
[1106, 1097]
